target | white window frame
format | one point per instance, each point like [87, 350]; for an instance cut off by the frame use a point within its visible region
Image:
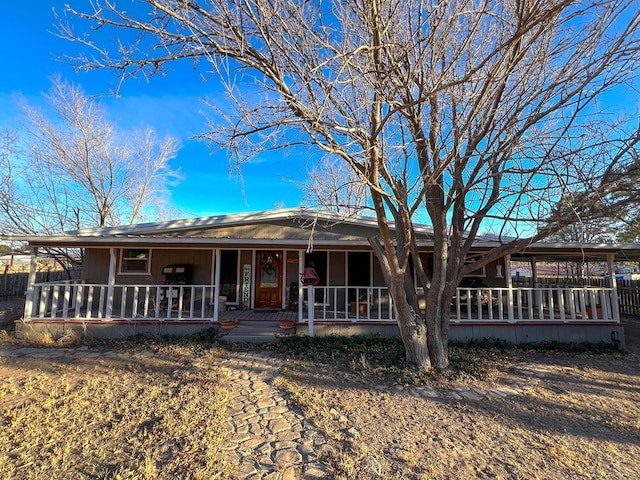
[123, 260]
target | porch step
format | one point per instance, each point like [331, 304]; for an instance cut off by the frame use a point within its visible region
[253, 332]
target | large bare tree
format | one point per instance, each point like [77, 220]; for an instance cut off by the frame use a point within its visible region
[470, 114]
[69, 167]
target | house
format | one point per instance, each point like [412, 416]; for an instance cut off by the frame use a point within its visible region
[181, 276]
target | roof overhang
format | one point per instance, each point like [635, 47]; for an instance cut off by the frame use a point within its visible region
[167, 235]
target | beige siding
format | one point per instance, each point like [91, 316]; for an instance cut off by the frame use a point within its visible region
[200, 261]
[337, 268]
[273, 231]
[95, 266]
[490, 279]
[291, 270]
[378, 277]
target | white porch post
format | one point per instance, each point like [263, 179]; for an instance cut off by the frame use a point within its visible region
[111, 282]
[614, 285]
[31, 282]
[216, 282]
[300, 290]
[311, 309]
[507, 274]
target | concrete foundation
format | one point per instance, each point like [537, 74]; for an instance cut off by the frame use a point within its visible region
[511, 333]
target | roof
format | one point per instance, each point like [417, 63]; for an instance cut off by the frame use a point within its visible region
[294, 226]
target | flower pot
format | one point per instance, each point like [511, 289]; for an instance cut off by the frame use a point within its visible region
[228, 325]
[287, 324]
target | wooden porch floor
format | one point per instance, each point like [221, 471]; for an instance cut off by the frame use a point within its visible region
[258, 315]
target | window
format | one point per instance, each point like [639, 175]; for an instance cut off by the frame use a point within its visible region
[135, 261]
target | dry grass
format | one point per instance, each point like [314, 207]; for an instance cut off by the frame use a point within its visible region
[582, 421]
[160, 412]
[128, 417]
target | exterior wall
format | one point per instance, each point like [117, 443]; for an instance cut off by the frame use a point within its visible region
[337, 268]
[291, 275]
[378, 277]
[200, 260]
[95, 268]
[285, 231]
[491, 279]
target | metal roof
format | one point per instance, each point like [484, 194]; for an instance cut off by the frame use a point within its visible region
[168, 233]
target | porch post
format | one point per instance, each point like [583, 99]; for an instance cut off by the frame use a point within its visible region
[613, 283]
[300, 290]
[537, 292]
[507, 274]
[31, 283]
[216, 283]
[111, 282]
[311, 309]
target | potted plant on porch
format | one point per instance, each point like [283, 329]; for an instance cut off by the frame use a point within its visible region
[228, 324]
[287, 324]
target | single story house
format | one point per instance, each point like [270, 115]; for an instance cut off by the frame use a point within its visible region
[186, 275]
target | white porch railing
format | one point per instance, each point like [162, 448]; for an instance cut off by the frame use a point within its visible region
[74, 299]
[547, 304]
[559, 304]
[131, 302]
[349, 304]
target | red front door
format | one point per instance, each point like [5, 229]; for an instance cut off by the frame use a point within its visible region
[268, 279]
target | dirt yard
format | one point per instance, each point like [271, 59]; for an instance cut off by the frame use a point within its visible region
[580, 421]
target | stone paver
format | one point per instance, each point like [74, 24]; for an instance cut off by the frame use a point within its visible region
[278, 448]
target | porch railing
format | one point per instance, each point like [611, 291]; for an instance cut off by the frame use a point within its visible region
[560, 304]
[75, 299]
[132, 302]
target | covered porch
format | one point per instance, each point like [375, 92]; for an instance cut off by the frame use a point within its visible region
[198, 273]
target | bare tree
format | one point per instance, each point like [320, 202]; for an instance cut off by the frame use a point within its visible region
[73, 168]
[332, 185]
[469, 112]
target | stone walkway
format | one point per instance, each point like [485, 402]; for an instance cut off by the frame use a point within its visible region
[269, 438]
[274, 441]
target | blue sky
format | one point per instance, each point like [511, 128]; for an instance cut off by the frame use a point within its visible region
[171, 105]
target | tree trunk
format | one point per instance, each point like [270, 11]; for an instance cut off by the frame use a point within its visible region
[413, 331]
[437, 317]
[437, 320]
